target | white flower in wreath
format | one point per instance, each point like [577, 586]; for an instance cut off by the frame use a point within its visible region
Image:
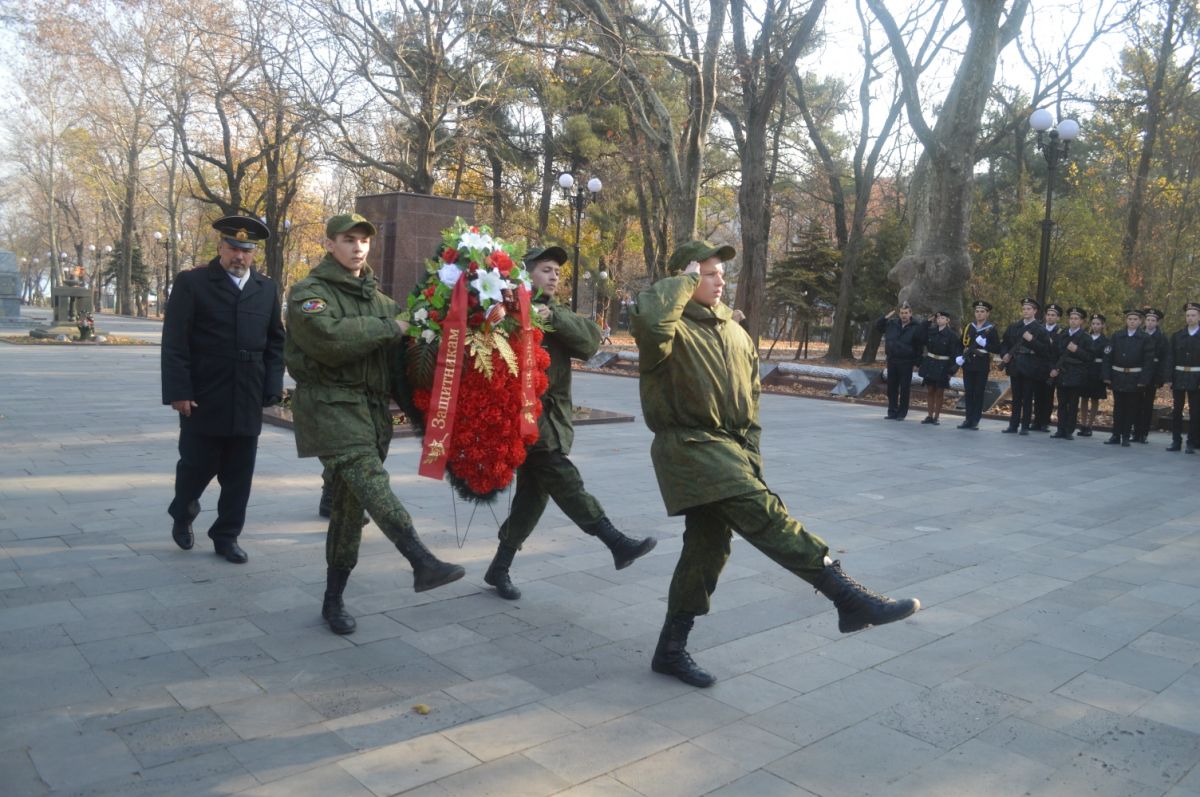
[476, 240]
[449, 274]
[420, 315]
[520, 276]
[489, 284]
[428, 335]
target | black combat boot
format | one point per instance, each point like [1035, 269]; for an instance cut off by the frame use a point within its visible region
[1115, 440]
[625, 550]
[497, 573]
[859, 607]
[1176, 444]
[1085, 431]
[428, 571]
[671, 656]
[325, 505]
[333, 610]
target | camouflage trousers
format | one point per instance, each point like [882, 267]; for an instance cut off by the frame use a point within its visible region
[360, 483]
[545, 475]
[763, 520]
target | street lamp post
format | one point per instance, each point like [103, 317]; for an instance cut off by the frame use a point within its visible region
[577, 201]
[1053, 147]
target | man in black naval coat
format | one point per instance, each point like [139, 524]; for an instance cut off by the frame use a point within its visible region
[1128, 368]
[1145, 412]
[1043, 382]
[980, 341]
[222, 362]
[1024, 344]
[1182, 373]
[1074, 359]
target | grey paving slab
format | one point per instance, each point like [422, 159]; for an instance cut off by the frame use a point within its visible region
[1051, 659]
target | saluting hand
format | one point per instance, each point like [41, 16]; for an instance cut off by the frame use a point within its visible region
[184, 408]
[692, 268]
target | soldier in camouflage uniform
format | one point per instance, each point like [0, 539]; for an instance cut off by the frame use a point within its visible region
[699, 390]
[546, 472]
[341, 334]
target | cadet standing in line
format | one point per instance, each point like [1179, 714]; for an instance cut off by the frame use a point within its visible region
[547, 472]
[699, 390]
[1145, 413]
[1093, 391]
[1024, 342]
[1071, 371]
[222, 362]
[341, 330]
[1128, 367]
[1043, 383]
[979, 341]
[939, 364]
[902, 340]
[1183, 375]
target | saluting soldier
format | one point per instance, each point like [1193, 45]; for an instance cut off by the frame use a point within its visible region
[340, 350]
[222, 362]
[699, 389]
[902, 341]
[939, 363]
[1128, 368]
[1183, 375]
[1043, 384]
[980, 340]
[1071, 371]
[1093, 391]
[547, 472]
[1145, 414]
[1024, 343]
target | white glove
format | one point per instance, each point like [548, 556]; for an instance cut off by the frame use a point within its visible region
[982, 341]
[958, 360]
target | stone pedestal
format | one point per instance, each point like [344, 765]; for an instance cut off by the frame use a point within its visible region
[70, 302]
[410, 232]
[10, 286]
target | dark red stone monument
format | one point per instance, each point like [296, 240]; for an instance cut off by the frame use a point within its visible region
[410, 231]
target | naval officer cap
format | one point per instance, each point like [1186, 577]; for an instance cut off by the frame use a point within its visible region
[1158, 314]
[1191, 306]
[981, 303]
[1099, 316]
[1030, 300]
[1077, 310]
[1137, 311]
[242, 232]
[1055, 307]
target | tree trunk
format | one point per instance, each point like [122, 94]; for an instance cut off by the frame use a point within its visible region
[125, 303]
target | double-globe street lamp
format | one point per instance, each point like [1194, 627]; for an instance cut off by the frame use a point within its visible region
[577, 201]
[1052, 142]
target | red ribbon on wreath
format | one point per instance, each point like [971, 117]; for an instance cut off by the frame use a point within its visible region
[529, 399]
[443, 399]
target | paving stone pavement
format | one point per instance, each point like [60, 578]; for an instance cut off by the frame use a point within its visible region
[1057, 653]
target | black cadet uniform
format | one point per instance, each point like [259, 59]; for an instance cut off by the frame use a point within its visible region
[1072, 365]
[941, 348]
[1043, 383]
[1128, 367]
[1024, 367]
[1183, 371]
[977, 362]
[902, 345]
[1145, 413]
[222, 347]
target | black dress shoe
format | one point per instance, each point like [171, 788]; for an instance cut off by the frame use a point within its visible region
[965, 425]
[1176, 445]
[1189, 449]
[1085, 432]
[1009, 430]
[181, 530]
[928, 419]
[232, 552]
[1024, 431]
[1115, 440]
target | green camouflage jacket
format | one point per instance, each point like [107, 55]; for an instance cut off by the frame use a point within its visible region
[341, 336]
[699, 387]
[573, 336]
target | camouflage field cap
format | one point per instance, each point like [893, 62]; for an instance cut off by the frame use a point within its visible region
[345, 222]
[698, 251]
[555, 253]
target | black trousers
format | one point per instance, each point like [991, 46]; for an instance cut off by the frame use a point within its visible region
[1192, 397]
[899, 385]
[231, 460]
[1022, 400]
[1068, 408]
[1145, 410]
[1125, 409]
[1043, 402]
[974, 382]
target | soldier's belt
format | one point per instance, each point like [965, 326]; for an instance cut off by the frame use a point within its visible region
[1127, 370]
[937, 356]
[1098, 360]
[1187, 369]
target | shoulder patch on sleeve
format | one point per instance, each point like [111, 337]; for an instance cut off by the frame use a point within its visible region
[313, 306]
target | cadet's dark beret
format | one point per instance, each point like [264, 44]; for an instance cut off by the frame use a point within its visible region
[1032, 301]
[981, 303]
[241, 232]
[1191, 306]
[555, 253]
[697, 251]
[345, 222]
[1079, 311]
[1158, 314]
[1055, 307]
[1100, 316]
